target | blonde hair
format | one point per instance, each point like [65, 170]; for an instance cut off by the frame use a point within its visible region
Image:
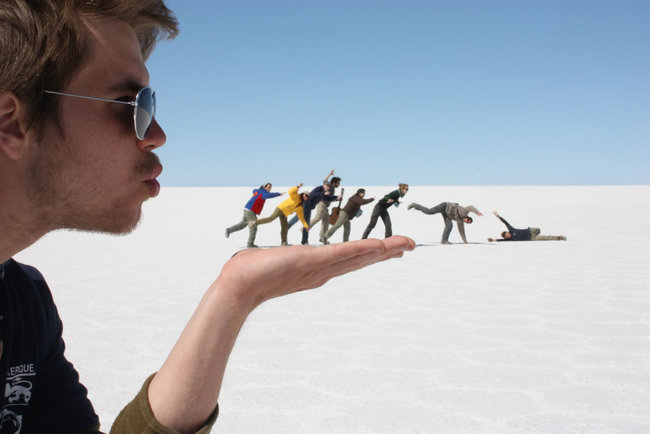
[43, 43]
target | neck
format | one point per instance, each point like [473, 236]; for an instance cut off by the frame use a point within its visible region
[21, 225]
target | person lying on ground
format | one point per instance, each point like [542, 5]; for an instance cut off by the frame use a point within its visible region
[528, 234]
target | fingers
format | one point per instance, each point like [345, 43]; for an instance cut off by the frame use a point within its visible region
[353, 253]
[332, 255]
[355, 256]
[347, 256]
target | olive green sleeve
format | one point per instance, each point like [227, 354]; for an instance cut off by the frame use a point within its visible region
[137, 417]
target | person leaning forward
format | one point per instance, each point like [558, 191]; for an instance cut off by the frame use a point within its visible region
[77, 142]
[294, 203]
[252, 209]
[381, 210]
[349, 211]
[450, 211]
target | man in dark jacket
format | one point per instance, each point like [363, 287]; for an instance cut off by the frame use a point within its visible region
[381, 210]
[321, 193]
[528, 234]
[349, 211]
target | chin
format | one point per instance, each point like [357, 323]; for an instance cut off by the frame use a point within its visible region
[123, 226]
[111, 222]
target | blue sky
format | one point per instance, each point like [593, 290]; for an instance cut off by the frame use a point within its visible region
[424, 92]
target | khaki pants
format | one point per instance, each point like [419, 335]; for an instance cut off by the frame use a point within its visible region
[248, 219]
[284, 225]
[343, 220]
[535, 236]
[321, 215]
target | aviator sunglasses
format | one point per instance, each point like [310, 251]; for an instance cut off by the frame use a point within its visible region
[144, 108]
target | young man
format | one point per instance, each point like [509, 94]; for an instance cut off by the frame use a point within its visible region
[252, 209]
[528, 234]
[450, 211]
[348, 212]
[322, 213]
[381, 210]
[77, 135]
[294, 203]
[316, 196]
[319, 198]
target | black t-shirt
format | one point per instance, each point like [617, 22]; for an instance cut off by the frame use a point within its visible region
[42, 392]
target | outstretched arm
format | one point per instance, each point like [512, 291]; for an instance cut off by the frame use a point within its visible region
[328, 176]
[510, 228]
[185, 390]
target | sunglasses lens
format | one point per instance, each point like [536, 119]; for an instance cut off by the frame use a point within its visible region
[145, 110]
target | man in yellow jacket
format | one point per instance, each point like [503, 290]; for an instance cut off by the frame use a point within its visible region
[290, 205]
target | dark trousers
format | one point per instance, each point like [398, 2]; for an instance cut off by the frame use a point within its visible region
[439, 209]
[379, 211]
[305, 233]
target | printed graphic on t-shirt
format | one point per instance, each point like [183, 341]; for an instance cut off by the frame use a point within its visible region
[18, 393]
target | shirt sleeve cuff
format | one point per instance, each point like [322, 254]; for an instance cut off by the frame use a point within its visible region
[137, 416]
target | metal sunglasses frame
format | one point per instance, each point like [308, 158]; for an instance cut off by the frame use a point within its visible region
[133, 104]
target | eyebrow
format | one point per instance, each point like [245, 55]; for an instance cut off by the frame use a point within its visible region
[128, 84]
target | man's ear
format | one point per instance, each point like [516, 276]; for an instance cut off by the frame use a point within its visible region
[12, 138]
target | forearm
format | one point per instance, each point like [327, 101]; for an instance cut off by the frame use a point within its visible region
[184, 392]
[505, 223]
[461, 231]
[138, 417]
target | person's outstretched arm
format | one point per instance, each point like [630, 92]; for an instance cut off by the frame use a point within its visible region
[184, 392]
[510, 228]
[473, 209]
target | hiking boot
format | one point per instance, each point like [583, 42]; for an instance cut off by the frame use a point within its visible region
[252, 246]
[411, 205]
[446, 242]
[324, 241]
[284, 243]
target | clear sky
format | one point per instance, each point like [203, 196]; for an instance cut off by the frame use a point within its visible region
[463, 92]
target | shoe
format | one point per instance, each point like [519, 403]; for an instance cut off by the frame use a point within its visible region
[446, 242]
[252, 246]
[324, 241]
[411, 205]
[284, 243]
[562, 237]
[227, 233]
